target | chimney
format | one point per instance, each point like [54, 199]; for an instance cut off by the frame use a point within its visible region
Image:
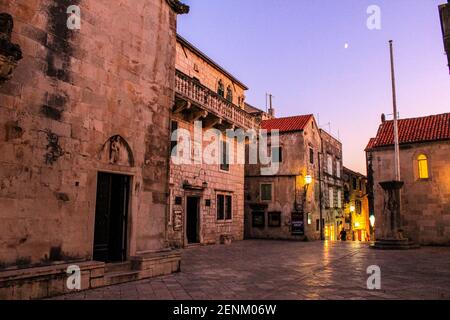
[383, 118]
[271, 109]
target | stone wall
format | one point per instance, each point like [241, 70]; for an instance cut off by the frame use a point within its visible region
[288, 187]
[192, 64]
[70, 94]
[218, 182]
[425, 203]
[332, 210]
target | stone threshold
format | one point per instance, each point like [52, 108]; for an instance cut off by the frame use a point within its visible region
[48, 281]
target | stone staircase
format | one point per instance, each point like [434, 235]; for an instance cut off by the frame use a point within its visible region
[121, 272]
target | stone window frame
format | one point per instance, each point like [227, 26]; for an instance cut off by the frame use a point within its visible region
[272, 194]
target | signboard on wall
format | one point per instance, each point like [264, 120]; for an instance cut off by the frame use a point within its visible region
[298, 224]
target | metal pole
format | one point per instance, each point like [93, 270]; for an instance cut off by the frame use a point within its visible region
[394, 99]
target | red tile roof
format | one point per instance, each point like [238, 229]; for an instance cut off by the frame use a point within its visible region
[424, 129]
[289, 124]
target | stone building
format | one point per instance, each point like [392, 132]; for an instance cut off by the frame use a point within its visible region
[84, 129]
[206, 198]
[444, 13]
[286, 205]
[425, 171]
[331, 170]
[356, 206]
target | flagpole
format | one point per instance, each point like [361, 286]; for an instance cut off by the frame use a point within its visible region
[394, 99]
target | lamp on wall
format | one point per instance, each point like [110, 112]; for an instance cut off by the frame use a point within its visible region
[372, 221]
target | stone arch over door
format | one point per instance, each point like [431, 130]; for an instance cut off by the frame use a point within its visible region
[117, 151]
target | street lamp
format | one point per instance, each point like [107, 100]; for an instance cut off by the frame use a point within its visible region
[308, 180]
[352, 208]
[372, 221]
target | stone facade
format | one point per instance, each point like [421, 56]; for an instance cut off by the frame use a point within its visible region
[332, 186]
[196, 188]
[425, 202]
[293, 201]
[82, 102]
[356, 206]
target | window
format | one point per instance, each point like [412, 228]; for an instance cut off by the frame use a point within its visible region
[422, 161]
[220, 207]
[220, 89]
[174, 141]
[339, 199]
[258, 219]
[225, 157]
[277, 155]
[355, 182]
[338, 169]
[266, 192]
[274, 219]
[331, 195]
[228, 207]
[358, 207]
[224, 207]
[317, 225]
[229, 94]
[311, 155]
[330, 164]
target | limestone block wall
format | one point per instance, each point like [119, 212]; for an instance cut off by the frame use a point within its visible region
[425, 203]
[193, 65]
[73, 90]
[288, 185]
[218, 182]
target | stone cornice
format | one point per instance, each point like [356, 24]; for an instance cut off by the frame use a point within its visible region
[178, 7]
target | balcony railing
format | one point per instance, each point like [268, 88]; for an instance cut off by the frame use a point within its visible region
[195, 92]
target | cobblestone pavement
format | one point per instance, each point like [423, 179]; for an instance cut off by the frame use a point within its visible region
[290, 271]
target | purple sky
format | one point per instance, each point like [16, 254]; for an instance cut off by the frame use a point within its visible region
[294, 49]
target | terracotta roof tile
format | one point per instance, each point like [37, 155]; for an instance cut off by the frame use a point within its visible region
[424, 129]
[289, 124]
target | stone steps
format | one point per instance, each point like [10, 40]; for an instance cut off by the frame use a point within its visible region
[112, 278]
[118, 267]
[388, 244]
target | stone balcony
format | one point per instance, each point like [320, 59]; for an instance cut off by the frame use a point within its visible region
[198, 103]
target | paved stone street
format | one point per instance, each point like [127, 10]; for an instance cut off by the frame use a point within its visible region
[291, 271]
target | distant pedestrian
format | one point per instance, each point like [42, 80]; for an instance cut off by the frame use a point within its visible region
[343, 235]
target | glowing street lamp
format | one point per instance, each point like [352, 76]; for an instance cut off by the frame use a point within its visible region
[308, 180]
[372, 221]
[352, 208]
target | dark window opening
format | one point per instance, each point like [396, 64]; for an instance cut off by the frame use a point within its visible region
[220, 89]
[225, 157]
[258, 219]
[277, 155]
[224, 207]
[174, 141]
[274, 219]
[266, 192]
[229, 94]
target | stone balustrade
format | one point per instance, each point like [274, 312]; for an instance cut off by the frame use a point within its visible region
[191, 90]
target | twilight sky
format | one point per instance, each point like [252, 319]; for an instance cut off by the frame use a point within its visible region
[295, 49]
